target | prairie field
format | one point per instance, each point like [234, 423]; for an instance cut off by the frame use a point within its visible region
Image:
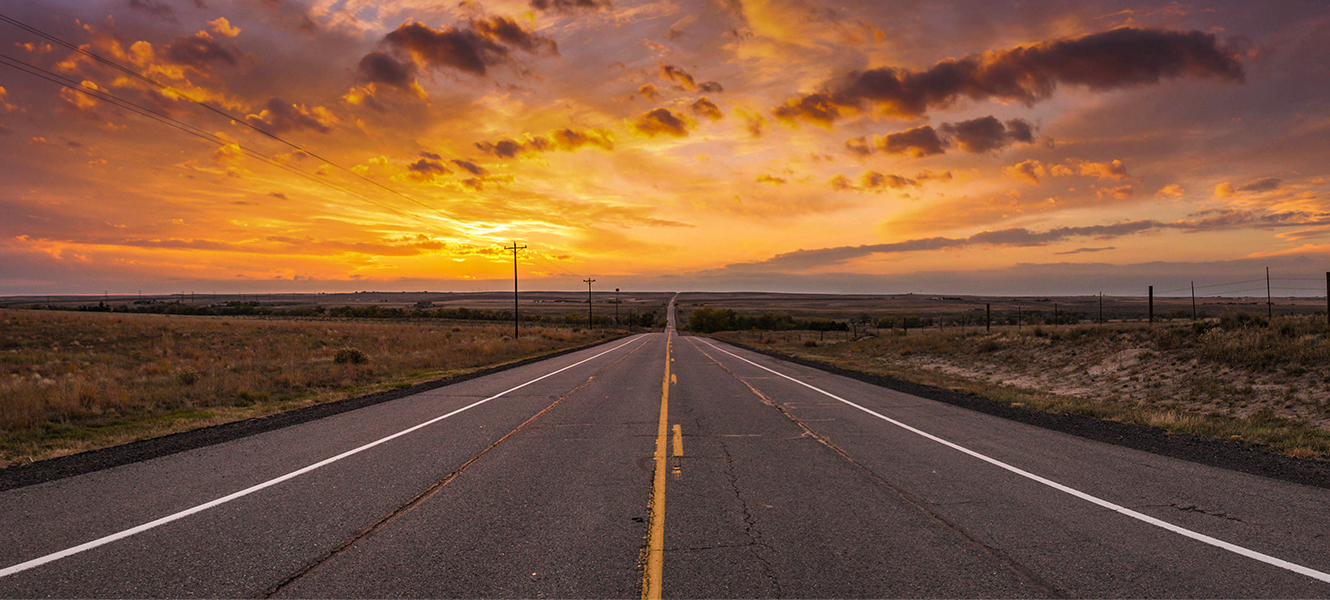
[73, 381]
[1265, 382]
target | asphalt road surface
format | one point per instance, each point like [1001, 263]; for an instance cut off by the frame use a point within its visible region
[661, 465]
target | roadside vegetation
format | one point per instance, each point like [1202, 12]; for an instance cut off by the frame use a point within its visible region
[73, 381]
[1263, 382]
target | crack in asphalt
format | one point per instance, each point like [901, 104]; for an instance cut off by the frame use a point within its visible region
[751, 530]
[1196, 509]
[428, 492]
[1021, 571]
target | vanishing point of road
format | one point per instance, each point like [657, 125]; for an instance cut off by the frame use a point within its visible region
[661, 465]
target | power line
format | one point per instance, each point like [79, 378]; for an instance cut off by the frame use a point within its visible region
[555, 265]
[139, 109]
[233, 118]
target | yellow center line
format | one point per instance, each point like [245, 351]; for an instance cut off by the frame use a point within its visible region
[653, 574]
[678, 451]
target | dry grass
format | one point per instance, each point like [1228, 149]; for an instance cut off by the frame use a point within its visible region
[75, 381]
[1266, 383]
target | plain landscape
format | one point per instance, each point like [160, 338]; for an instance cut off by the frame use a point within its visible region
[98, 374]
[81, 375]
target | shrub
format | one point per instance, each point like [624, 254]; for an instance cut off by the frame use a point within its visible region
[188, 376]
[810, 343]
[350, 355]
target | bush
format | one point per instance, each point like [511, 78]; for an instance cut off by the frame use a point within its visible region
[350, 355]
[810, 343]
[188, 376]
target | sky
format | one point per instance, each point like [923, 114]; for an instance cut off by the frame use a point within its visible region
[964, 147]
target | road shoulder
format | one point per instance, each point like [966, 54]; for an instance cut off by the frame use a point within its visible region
[1225, 454]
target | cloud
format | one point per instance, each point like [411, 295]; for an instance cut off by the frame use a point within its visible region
[1171, 191]
[157, 9]
[1121, 192]
[754, 123]
[706, 109]
[507, 31]
[470, 167]
[1108, 60]
[770, 179]
[200, 51]
[1264, 184]
[280, 116]
[1212, 220]
[1109, 170]
[678, 77]
[1014, 237]
[426, 169]
[648, 91]
[382, 68]
[1029, 170]
[683, 79]
[485, 43]
[859, 146]
[661, 121]
[1222, 219]
[223, 27]
[567, 140]
[872, 180]
[918, 142]
[568, 6]
[987, 134]
[1085, 250]
[976, 136]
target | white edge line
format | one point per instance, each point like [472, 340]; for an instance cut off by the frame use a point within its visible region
[1234, 548]
[36, 562]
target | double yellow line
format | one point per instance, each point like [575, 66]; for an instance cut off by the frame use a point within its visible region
[653, 573]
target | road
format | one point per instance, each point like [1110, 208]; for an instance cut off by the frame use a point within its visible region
[664, 466]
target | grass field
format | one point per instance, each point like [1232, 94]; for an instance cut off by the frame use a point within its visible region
[1265, 382]
[73, 381]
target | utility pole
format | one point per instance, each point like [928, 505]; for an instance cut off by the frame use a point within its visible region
[1269, 306]
[616, 307]
[1152, 305]
[514, 248]
[588, 281]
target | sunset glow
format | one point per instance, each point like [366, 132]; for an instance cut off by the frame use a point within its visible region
[792, 145]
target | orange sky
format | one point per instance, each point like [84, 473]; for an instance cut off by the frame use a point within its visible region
[963, 147]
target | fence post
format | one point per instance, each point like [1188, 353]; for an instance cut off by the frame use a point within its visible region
[1152, 305]
[988, 309]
